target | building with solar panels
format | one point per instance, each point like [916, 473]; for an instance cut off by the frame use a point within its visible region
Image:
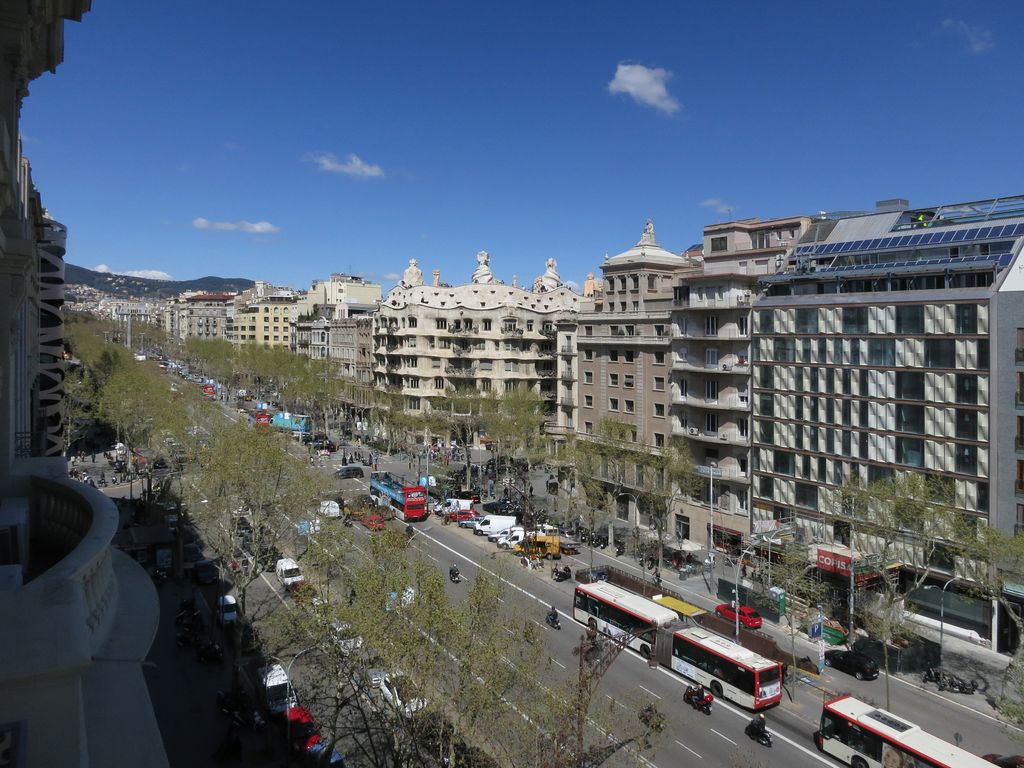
[894, 341]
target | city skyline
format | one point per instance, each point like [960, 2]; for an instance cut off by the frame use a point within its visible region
[270, 147]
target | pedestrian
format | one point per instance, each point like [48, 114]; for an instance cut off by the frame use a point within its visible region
[743, 570]
[531, 489]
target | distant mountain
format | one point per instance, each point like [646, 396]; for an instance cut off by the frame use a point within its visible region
[123, 286]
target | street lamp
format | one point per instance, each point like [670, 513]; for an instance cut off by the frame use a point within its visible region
[736, 587]
[711, 471]
[942, 613]
[288, 706]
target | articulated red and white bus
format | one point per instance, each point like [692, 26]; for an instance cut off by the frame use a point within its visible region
[616, 611]
[731, 671]
[864, 736]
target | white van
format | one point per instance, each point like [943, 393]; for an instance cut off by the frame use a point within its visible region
[288, 572]
[452, 506]
[330, 509]
[494, 524]
[511, 537]
[276, 690]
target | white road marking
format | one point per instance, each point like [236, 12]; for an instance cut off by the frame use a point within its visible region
[723, 736]
[650, 692]
[615, 701]
[559, 663]
[688, 749]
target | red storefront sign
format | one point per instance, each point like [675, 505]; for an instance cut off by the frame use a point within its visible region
[833, 562]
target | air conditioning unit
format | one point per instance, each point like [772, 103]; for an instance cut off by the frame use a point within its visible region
[726, 367]
[724, 436]
[693, 430]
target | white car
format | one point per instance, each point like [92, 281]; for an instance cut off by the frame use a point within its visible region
[276, 689]
[391, 691]
[288, 572]
[227, 609]
[343, 637]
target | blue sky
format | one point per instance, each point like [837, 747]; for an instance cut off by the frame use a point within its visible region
[286, 141]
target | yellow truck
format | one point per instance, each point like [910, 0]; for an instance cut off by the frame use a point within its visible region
[541, 545]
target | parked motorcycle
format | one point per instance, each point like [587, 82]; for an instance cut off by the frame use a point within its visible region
[620, 548]
[237, 706]
[698, 698]
[947, 681]
[209, 651]
[187, 636]
[561, 574]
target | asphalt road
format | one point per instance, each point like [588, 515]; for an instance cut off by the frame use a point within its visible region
[630, 682]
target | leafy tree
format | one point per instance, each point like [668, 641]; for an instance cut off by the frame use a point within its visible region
[990, 559]
[791, 572]
[908, 518]
[247, 472]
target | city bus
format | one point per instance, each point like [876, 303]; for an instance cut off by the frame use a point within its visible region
[616, 611]
[864, 736]
[209, 391]
[731, 671]
[407, 502]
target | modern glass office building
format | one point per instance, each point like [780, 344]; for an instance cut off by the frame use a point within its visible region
[893, 342]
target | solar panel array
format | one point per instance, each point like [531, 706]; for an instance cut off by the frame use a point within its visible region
[916, 240]
[993, 261]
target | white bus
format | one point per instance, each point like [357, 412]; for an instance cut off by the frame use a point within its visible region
[864, 736]
[616, 611]
[731, 671]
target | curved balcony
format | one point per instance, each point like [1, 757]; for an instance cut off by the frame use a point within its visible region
[71, 527]
[78, 628]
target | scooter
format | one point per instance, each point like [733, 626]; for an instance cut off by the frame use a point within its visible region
[552, 621]
[700, 703]
[620, 548]
[763, 738]
[454, 576]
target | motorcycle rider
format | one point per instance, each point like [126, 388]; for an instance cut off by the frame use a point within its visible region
[695, 693]
[758, 726]
[453, 572]
[552, 617]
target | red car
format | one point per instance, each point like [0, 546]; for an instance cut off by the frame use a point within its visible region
[459, 516]
[374, 521]
[749, 618]
[302, 729]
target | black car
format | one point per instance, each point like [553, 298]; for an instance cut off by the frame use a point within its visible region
[350, 471]
[855, 663]
[205, 572]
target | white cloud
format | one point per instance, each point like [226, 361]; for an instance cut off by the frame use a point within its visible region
[150, 274]
[978, 39]
[645, 85]
[101, 268]
[253, 227]
[353, 165]
[391, 276]
[232, 146]
[719, 205]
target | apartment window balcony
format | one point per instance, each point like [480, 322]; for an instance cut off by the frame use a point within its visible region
[1019, 485]
[1019, 442]
[1018, 355]
[567, 402]
[1019, 399]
